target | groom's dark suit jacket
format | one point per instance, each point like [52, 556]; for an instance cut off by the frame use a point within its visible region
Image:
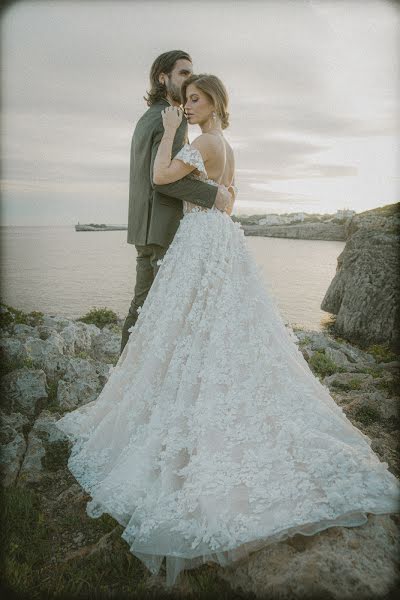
[156, 210]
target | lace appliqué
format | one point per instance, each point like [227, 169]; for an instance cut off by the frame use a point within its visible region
[192, 156]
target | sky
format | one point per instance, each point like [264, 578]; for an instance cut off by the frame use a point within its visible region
[313, 87]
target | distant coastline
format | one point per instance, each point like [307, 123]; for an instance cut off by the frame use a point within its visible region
[299, 225]
[102, 227]
[290, 225]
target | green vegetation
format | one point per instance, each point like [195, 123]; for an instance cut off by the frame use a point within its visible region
[11, 316]
[382, 352]
[82, 354]
[392, 387]
[100, 317]
[367, 415]
[56, 456]
[52, 404]
[305, 341]
[7, 365]
[322, 365]
[31, 539]
[26, 538]
[42, 560]
[352, 384]
[383, 211]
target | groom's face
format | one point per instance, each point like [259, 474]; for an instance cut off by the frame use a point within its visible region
[173, 82]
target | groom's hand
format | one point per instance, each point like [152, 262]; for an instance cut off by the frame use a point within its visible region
[223, 198]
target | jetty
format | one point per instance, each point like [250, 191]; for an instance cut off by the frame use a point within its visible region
[102, 227]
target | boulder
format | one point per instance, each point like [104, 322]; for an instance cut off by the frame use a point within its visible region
[43, 438]
[338, 357]
[365, 290]
[349, 381]
[11, 456]
[22, 332]
[24, 390]
[106, 345]
[12, 350]
[48, 355]
[13, 446]
[56, 322]
[338, 563]
[82, 382]
[78, 337]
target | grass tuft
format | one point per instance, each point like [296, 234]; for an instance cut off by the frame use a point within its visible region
[352, 384]
[100, 317]
[323, 365]
[382, 352]
[11, 316]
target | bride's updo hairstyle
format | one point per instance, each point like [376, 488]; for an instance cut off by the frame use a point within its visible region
[213, 87]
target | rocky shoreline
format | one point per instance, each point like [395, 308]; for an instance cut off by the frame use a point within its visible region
[324, 227]
[51, 364]
[301, 231]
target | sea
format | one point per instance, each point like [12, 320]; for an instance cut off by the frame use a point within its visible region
[59, 271]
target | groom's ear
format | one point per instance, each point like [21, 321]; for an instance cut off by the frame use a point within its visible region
[161, 78]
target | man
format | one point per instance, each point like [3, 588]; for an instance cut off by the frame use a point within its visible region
[156, 210]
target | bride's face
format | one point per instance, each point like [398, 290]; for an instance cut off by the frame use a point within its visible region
[198, 107]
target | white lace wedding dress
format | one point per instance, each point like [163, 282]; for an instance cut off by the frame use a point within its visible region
[212, 437]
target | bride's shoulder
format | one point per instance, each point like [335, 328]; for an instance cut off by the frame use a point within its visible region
[205, 143]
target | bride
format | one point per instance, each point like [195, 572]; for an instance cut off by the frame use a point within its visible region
[212, 437]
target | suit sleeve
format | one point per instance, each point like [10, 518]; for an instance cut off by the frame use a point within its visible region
[187, 188]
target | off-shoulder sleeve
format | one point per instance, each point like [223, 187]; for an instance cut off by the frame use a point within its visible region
[191, 156]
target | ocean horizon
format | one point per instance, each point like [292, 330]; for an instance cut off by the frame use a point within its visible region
[56, 270]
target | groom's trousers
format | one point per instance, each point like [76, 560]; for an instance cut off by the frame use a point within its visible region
[146, 270]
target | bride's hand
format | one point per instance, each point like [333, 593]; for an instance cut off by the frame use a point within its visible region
[172, 118]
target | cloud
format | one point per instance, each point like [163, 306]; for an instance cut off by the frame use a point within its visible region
[304, 79]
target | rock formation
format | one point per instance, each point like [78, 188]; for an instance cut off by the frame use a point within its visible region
[365, 292]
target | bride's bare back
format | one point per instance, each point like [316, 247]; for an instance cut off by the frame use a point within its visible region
[220, 161]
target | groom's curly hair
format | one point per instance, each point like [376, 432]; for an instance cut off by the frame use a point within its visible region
[163, 64]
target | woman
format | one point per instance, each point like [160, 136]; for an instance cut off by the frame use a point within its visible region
[212, 437]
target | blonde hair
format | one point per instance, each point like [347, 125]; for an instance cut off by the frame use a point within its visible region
[213, 87]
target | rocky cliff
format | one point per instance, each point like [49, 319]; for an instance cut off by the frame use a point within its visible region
[51, 365]
[365, 292]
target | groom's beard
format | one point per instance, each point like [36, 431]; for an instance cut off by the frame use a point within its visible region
[174, 92]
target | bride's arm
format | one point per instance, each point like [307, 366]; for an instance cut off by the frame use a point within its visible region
[166, 170]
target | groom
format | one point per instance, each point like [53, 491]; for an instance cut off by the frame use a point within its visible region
[156, 210]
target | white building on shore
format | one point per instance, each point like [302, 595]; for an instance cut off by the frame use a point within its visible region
[344, 213]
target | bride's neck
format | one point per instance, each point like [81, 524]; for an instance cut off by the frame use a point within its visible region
[209, 127]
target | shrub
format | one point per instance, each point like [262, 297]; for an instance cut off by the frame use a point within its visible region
[10, 315]
[382, 352]
[322, 365]
[367, 415]
[100, 317]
